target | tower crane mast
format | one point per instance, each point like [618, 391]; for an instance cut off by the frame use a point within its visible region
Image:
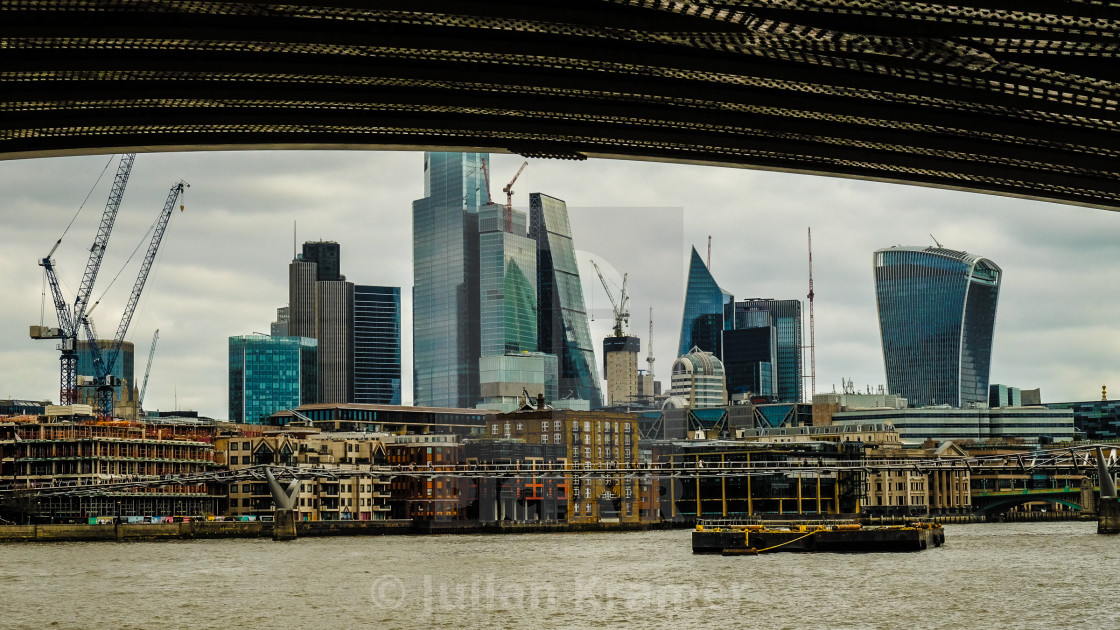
[103, 365]
[619, 306]
[69, 319]
[812, 325]
[508, 190]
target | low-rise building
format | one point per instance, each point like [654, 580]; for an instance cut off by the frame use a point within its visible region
[915, 426]
[74, 453]
[591, 440]
[354, 496]
[424, 497]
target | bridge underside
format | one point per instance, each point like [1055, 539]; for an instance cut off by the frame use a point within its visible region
[1015, 98]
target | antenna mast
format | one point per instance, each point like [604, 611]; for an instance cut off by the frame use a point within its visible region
[709, 252]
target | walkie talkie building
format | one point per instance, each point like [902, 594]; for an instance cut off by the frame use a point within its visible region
[937, 314]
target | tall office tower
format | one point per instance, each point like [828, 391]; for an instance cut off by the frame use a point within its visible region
[937, 315]
[268, 374]
[335, 299]
[620, 366]
[507, 271]
[507, 276]
[562, 328]
[377, 345]
[445, 306]
[782, 319]
[704, 307]
[327, 257]
[279, 328]
[303, 313]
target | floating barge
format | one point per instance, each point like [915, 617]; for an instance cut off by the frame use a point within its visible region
[753, 539]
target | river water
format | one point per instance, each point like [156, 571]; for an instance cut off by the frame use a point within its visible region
[1013, 575]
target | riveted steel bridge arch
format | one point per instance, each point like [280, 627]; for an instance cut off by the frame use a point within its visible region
[1013, 98]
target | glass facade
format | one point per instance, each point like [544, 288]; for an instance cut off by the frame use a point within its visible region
[327, 256]
[562, 321]
[123, 368]
[749, 356]
[704, 307]
[377, 345]
[507, 274]
[445, 307]
[783, 318]
[505, 378]
[937, 312]
[269, 374]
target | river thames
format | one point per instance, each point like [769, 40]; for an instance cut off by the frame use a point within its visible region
[1014, 575]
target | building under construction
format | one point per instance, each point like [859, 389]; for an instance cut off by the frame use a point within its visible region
[67, 448]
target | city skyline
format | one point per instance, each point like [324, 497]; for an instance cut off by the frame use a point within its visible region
[217, 274]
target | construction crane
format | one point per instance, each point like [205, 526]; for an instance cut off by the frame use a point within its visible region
[508, 190]
[649, 346]
[69, 319]
[486, 181]
[620, 307]
[103, 364]
[812, 324]
[147, 371]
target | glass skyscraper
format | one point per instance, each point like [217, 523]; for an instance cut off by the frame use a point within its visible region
[507, 271]
[704, 308]
[445, 267]
[783, 319]
[562, 327]
[377, 345]
[937, 313]
[268, 374]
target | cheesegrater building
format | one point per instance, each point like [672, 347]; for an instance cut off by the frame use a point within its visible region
[937, 313]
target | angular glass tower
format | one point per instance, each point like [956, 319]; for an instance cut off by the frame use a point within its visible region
[377, 345]
[704, 307]
[445, 307]
[268, 374]
[937, 315]
[562, 328]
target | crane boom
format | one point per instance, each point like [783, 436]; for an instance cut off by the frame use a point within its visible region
[621, 314]
[103, 366]
[508, 190]
[69, 320]
[101, 241]
[147, 371]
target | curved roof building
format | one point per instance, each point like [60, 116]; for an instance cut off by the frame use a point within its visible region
[937, 314]
[698, 377]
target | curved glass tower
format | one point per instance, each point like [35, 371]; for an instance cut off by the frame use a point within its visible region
[704, 304]
[937, 314]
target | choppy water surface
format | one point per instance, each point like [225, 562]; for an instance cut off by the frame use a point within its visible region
[1021, 575]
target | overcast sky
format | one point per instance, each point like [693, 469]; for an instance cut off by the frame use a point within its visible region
[222, 268]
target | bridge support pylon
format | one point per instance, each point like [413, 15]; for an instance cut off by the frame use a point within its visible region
[1108, 510]
[284, 499]
[284, 525]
